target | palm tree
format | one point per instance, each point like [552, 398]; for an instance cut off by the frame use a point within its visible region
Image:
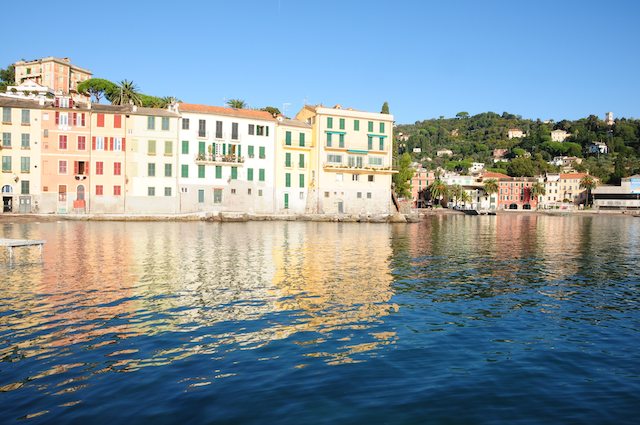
[236, 103]
[456, 192]
[589, 183]
[465, 198]
[437, 190]
[537, 190]
[126, 93]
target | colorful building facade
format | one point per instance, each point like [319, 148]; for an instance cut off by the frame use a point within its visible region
[59, 74]
[295, 155]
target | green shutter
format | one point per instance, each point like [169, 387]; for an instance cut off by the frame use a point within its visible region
[185, 171]
[341, 123]
[201, 148]
[185, 147]
[250, 153]
[287, 159]
[301, 180]
[356, 125]
[382, 143]
[328, 140]
[287, 180]
[287, 138]
[370, 126]
[301, 139]
[262, 153]
[250, 174]
[370, 142]
[286, 201]
[218, 171]
[329, 122]
[234, 173]
[342, 140]
[301, 160]
[200, 171]
[224, 149]
[200, 195]
[239, 151]
[381, 127]
[261, 174]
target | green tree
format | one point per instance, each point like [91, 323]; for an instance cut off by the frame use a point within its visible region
[236, 103]
[521, 167]
[402, 179]
[462, 114]
[126, 93]
[7, 77]
[490, 186]
[589, 183]
[272, 110]
[538, 190]
[385, 108]
[456, 192]
[437, 190]
[97, 88]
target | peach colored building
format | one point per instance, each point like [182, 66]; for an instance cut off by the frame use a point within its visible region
[65, 156]
[59, 74]
[514, 193]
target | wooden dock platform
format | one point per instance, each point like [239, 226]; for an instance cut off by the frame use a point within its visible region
[15, 243]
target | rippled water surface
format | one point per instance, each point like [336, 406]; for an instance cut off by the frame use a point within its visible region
[508, 319]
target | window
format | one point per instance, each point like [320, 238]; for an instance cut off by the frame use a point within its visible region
[259, 192]
[233, 191]
[368, 195]
[202, 128]
[342, 140]
[25, 142]
[184, 171]
[287, 159]
[151, 169]
[62, 192]
[165, 123]
[151, 191]
[98, 143]
[261, 174]
[167, 170]
[117, 190]
[370, 177]
[62, 141]
[168, 148]
[335, 159]
[185, 123]
[250, 174]
[356, 125]
[359, 195]
[341, 123]
[287, 180]
[25, 164]
[26, 117]
[326, 194]
[151, 123]
[301, 160]
[249, 191]
[100, 120]
[217, 196]
[301, 139]
[355, 177]
[355, 161]
[339, 177]
[99, 168]
[262, 153]
[329, 122]
[287, 138]
[117, 143]
[301, 180]
[234, 131]
[99, 189]
[6, 140]
[185, 147]
[381, 127]
[252, 129]
[218, 171]
[260, 130]
[201, 196]
[382, 143]
[218, 129]
[370, 142]
[250, 151]
[62, 166]
[6, 115]
[167, 191]
[201, 149]
[82, 143]
[375, 160]
[370, 126]
[328, 140]
[117, 168]
[151, 148]
[234, 173]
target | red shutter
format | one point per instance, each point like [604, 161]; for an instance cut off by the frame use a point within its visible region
[110, 143]
[93, 143]
[124, 145]
[100, 120]
[74, 119]
[70, 103]
[83, 119]
[57, 103]
[117, 121]
[86, 168]
[76, 167]
[57, 117]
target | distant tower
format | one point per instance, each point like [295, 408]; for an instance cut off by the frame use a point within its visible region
[609, 118]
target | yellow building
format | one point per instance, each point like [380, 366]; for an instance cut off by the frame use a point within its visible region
[20, 129]
[294, 161]
[353, 162]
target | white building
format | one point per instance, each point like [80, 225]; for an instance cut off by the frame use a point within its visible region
[609, 118]
[515, 133]
[444, 152]
[227, 159]
[559, 135]
[295, 154]
[476, 167]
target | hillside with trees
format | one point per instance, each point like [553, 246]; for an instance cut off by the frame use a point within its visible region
[473, 139]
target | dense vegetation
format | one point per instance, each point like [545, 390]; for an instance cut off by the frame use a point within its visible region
[473, 139]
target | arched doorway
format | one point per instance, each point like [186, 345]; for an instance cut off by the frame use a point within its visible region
[513, 206]
[80, 193]
[526, 207]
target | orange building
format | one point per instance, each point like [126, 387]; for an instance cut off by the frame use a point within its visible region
[59, 74]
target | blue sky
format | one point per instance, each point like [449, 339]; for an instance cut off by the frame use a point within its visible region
[540, 59]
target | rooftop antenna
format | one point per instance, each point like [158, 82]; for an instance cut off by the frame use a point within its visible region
[284, 108]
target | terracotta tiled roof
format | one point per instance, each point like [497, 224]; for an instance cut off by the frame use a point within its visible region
[568, 176]
[492, 175]
[219, 110]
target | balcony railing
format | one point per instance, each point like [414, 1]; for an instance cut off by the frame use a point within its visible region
[219, 159]
[355, 167]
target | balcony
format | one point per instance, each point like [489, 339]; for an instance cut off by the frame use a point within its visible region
[219, 159]
[364, 169]
[80, 176]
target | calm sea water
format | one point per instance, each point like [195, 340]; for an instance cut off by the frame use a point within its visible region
[456, 320]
